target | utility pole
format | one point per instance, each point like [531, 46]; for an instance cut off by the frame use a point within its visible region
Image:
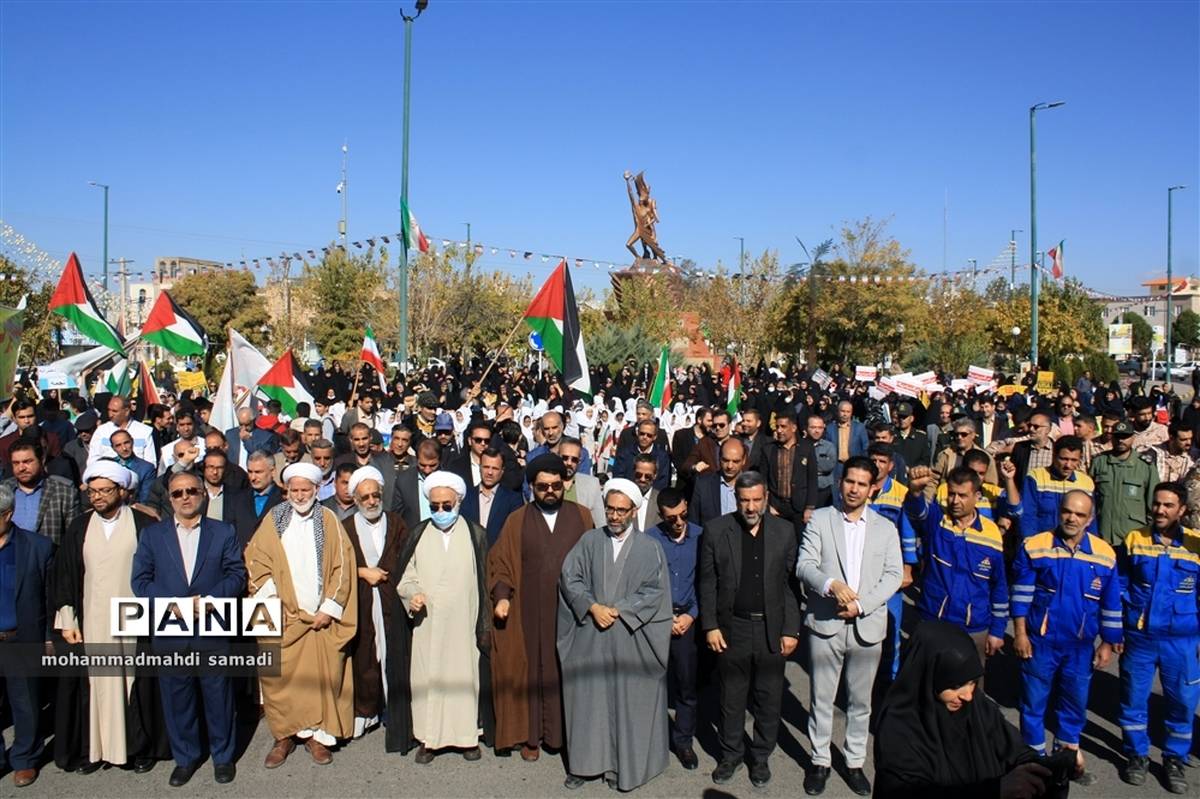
[105, 255]
[469, 258]
[973, 263]
[287, 296]
[344, 190]
[1034, 275]
[123, 275]
[402, 355]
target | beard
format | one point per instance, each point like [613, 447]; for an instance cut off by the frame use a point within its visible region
[620, 529]
[372, 514]
[304, 507]
[548, 507]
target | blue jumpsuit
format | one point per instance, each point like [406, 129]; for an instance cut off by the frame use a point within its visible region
[1162, 631]
[1066, 598]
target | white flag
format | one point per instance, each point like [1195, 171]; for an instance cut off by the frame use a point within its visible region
[242, 372]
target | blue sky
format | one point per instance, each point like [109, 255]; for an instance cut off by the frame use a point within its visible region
[219, 126]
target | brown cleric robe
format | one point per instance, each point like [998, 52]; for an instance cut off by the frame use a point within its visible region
[524, 566]
[368, 674]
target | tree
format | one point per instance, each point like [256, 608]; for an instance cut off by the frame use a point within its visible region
[221, 299]
[742, 312]
[1070, 321]
[615, 344]
[647, 301]
[343, 289]
[1186, 330]
[955, 331]
[1143, 334]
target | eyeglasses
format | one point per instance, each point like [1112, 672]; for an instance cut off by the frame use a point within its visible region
[720, 424]
[608, 509]
[102, 492]
[369, 497]
[555, 486]
[179, 493]
[442, 506]
[964, 434]
[570, 458]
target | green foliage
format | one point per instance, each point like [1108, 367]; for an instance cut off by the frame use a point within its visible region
[1186, 330]
[1070, 368]
[613, 345]
[342, 291]
[1143, 334]
[38, 342]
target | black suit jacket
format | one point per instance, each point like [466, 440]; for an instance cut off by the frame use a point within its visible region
[406, 501]
[758, 445]
[238, 510]
[504, 503]
[706, 499]
[720, 570]
[804, 479]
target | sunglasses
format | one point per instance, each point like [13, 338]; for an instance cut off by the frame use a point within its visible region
[569, 458]
[672, 518]
[964, 435]
[442, 506]
[179, 493]
[555, 486]
[479, 440]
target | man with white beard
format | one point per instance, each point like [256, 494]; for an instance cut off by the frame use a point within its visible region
[302, 555]
[377, 538]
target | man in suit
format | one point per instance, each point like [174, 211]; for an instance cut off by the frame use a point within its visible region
[489, 503]
[45, 504]
[643, 412]
[847, 434]
[751, 618]
[408, 500]
[964, 435]
[225, 504]
[850, 566]
[265, 492]
[992, 426]
[791, 472]
[645, 444]
[757, 441]
[187, 555]
[581, 488]
[25, 567]
[682, 443]
[122, 444]
[24, 415]
[247, 437]
[466, 464]
[911, 443]
[645, 473]
[714, 494]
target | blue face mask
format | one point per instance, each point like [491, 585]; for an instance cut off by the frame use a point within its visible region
[444, 519]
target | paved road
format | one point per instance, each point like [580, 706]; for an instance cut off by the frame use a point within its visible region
[364, 769]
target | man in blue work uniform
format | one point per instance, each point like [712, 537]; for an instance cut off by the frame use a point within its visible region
[680, 540]
[1045, 487]
[887, 499]
[963, 580]
[1065, 592]
[1159, 571]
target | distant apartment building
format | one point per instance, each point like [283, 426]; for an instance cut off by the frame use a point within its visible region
[1152, 305]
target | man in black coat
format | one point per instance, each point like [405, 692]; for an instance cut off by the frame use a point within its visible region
[790, 467]
[750, 616]
[714, 494]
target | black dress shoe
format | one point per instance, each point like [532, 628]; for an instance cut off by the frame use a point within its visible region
[143, 765]
[89, 767]
[724, 771]
[858, 781]
[224, 773]
[687, 758]
[424, 756]
[815, 779]
[181, 775]
[573, 782]
[760, 774]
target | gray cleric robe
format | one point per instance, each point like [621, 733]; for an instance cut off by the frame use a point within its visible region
[614, 681]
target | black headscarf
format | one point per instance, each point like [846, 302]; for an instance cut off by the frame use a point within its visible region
[924, 750]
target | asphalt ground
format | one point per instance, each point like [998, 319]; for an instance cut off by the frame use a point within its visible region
[363, 768]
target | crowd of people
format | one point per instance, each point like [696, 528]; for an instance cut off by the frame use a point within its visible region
[496, 562]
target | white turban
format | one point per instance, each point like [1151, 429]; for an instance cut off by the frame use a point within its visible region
[443, 479]
[307, 471]
[110, 470]
[626, 487]
[365, 473]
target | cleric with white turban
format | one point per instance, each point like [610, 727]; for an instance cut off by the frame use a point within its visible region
[305, 471]
[110, 470]
[626, 487]
[443, 479]
[365, 473]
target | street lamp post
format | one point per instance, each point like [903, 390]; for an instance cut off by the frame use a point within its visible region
[1012, 252]
[1034, 283]
[105, 187]
[1170, 288]
[1016, 331]
[403, 283]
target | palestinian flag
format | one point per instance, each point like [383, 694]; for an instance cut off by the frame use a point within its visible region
[660, 395]
[412, 235]
[733, 393]
[285, 382]
[1056, 260]
[117, 381]
[144, 392]
[554, 317]
[370, 350]
[73, 300]
[174, 329]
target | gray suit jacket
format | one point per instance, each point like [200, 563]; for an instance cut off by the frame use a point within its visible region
[652, 514]
[822, 558]
[589, 494]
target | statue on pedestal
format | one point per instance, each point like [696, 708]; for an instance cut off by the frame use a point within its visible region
[645, 217]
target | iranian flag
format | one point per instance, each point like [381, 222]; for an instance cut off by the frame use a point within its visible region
[174, 329]
[412, 235]
[73, 300]
[1056, 260]
[554, 317]
[370, 354]
[660, 395]
[733, 394]
[285, 382]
